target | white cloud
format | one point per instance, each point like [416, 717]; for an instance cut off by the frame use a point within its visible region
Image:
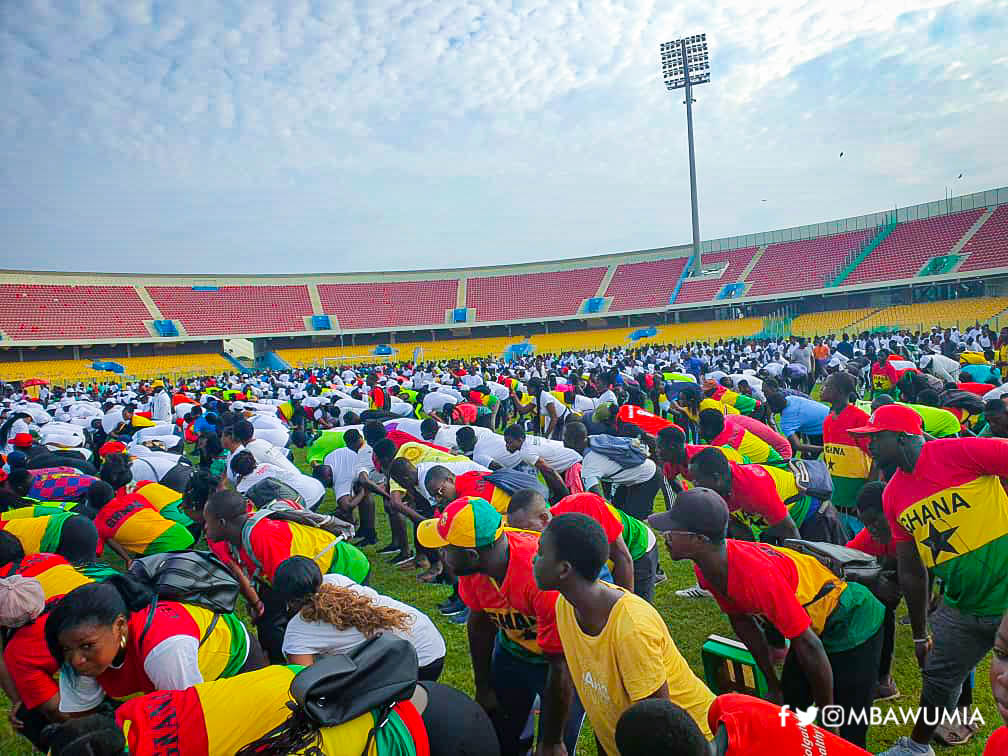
[455, 132]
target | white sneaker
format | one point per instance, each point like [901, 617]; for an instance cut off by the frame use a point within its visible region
[694, 592]
[902, 748]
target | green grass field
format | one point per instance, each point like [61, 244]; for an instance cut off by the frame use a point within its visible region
[690, 622]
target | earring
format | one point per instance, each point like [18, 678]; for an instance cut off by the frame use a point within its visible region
[122, 641]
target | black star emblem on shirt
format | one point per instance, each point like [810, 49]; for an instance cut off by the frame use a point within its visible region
[938, 541]
[831, 464]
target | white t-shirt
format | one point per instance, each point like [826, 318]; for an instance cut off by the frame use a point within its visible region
[266, 453]
[436, 400]
[322, 638]
[407, 425]
[310, 489]
[446, 434]
[493, 448]
[596, 467]
[150, 464]
[346, 466]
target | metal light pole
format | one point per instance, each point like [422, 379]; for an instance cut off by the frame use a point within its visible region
[685, 64]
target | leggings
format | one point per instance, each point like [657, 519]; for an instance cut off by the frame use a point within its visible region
[456, 724]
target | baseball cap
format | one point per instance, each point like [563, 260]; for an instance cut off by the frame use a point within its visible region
[111, 447]
[469, 522]
[696, 510]
[22, 439]
[897, 418]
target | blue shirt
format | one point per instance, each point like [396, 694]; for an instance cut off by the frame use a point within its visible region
[694, 366]
[201, 426]
[981, 374]
[802, 416]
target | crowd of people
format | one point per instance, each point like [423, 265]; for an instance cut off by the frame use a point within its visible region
[540, 489]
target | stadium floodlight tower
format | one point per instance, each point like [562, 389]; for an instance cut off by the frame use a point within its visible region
[685, 64]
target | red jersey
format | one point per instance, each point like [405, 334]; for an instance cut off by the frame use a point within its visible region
[465, 413]
[648, 422]
[997, 743]
[32, 668]
[55, 574]
[474, 484]
[787, 581]
[976, 388]
[954, 507]
[525, 615]
[756, 728]
[761, 430]
[754, 491]
[865, 541]
[593, 506]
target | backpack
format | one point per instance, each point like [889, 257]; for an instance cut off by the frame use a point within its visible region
[849, 564]
[626, 452]
[272, 489]
[812, 477]
[962, 400]
[374, 676]
[178, 477]
[511, 481]
[289, 511]
[190, 577]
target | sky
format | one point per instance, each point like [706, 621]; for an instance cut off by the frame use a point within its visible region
[295, 137]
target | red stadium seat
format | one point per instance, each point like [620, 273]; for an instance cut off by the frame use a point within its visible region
[535, 295]
[644, 285]
[235, 309]
[989, 246]
[705, 291]
[31, 311]
[394, 304]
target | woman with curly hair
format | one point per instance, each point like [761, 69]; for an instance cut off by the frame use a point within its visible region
[332, 614]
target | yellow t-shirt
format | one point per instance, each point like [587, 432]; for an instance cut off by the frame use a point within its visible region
[415, 453]
[709, 403]
[630, 659]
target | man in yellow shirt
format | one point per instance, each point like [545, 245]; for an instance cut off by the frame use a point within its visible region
[617, 646]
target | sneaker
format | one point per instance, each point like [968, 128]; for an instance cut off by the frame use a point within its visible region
[660, 577]
[461, 618]
[450, 601]
[694, 592]
[453, 608]
[363, 541]
[886, 690]
[390, 549]
[403, 557]
[903, 747]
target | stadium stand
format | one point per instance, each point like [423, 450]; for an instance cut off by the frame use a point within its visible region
[831, 321]
[911, 245]
[234, 309]
[989, 246]
[637, 286]
[805, 264]
[68, 370]
[29, 311]
[705, 290]
[389, 305]
[532, 295]
[961, 313]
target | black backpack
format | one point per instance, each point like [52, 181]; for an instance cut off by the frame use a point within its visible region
[850, 564]
[271, 489]
[190, 577]
[374, 676]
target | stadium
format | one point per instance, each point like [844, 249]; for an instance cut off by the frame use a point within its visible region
[943, 263]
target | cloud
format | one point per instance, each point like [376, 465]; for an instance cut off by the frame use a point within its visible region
[301, 136]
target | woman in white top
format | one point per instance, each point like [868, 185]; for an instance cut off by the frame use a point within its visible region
[332, 615]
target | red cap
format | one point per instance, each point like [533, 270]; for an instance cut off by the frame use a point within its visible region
[111, 447]
[22, 439]
[897, 418]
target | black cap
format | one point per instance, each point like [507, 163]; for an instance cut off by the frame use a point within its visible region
[296, 577]
[696, 510]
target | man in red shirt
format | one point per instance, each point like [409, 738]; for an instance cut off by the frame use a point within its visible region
[997, 744]
[742, 726]
[847, 457]
[835, 627]
[513, 638]
[948, 512]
